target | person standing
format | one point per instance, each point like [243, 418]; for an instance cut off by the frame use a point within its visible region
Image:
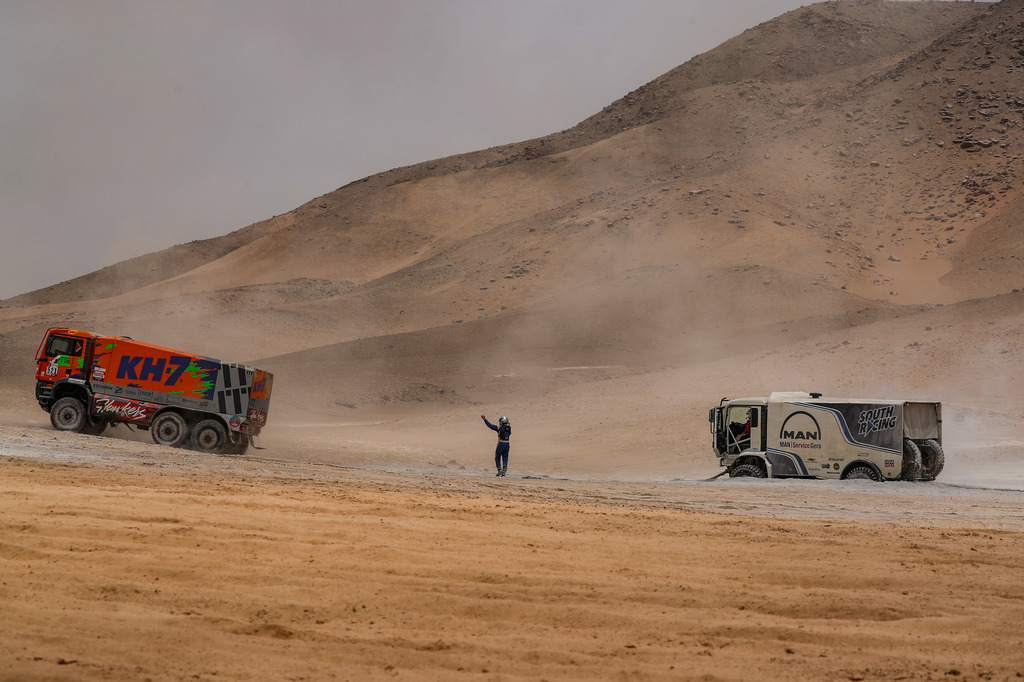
[504, 430]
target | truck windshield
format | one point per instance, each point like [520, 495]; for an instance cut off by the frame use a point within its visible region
[62, 345]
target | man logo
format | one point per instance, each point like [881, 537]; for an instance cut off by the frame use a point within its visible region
[800, 426]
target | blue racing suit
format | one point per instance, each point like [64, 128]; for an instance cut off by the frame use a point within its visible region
[501, 452]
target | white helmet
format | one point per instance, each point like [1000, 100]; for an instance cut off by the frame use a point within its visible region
[503, 421]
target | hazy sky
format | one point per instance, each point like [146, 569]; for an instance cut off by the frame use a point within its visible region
[127, 126]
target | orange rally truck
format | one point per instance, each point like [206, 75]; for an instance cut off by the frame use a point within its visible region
[87, 381]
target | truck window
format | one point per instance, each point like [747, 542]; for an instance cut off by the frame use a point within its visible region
[739, 419]
[739, 423]
[62, 345]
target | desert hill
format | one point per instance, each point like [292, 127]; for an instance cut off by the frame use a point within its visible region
[830, 201]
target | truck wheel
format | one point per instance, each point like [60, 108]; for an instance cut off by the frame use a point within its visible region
[862, 473]
[932, 458]
[68, 414]
[169, 429]
[911, 461]
[209, 436]
[751, 470]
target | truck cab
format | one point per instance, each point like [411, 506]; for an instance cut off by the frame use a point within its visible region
[62, 362]
[738, 426]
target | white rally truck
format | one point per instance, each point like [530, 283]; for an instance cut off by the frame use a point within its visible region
[809, 436]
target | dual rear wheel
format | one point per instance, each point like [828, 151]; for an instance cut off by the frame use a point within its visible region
[209, 435]
[933, 459]
[922, 460]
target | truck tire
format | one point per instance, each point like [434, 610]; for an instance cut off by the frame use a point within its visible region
[750, 470]
[170, 429]
[862, 472]
[209, 435]
[911, 461]
[68, 414]
[933, 459]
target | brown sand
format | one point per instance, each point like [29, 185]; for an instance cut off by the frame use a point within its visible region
[125, 560]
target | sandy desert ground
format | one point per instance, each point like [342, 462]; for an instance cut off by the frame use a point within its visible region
[125, 560]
